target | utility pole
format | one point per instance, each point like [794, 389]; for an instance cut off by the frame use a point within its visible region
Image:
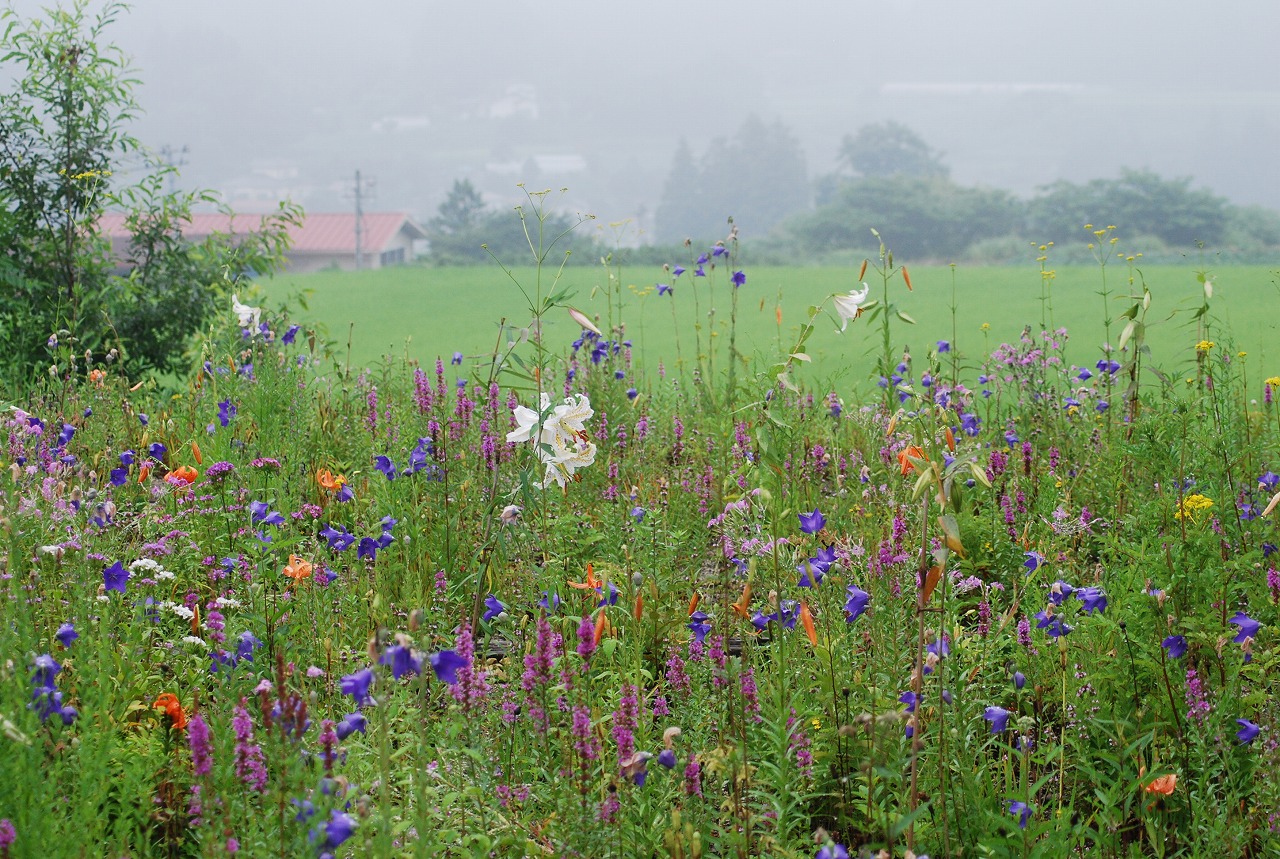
[363, 188]
[172, 159]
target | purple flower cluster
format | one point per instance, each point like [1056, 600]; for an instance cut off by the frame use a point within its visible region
[250, 761]
[46, 699]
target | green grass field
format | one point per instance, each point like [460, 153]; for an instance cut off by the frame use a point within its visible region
[424, 312]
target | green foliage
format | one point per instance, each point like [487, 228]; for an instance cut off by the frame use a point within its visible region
[1140, 200]
[757, 177]
[466, 232]
[787, 739]
[889, 149]
[930, 218]
[63, 131]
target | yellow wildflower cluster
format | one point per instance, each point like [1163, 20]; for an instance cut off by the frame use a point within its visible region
[1191, 506]
[1274, 381]
[1205, 345]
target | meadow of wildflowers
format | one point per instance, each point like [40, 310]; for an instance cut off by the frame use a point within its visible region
[535, 603]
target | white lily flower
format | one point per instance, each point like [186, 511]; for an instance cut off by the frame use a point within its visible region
[574, 413]
[850, 306]
[527, 422]
[248, 316]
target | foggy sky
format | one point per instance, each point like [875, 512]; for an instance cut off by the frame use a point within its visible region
[284, 97]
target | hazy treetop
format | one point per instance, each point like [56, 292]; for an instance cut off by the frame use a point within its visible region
[1017, 94]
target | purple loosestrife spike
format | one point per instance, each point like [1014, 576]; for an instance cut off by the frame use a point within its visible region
[586, 637]
[998, 717]
[1248, 731]
[201, 745]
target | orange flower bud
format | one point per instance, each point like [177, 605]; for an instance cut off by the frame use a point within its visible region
[906, 278]
[806, 619]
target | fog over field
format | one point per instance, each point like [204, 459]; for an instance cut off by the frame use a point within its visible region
[261, 100]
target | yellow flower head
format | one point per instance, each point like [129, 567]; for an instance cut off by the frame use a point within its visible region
[1191, 506]
[1274, 381]
[1205, 345]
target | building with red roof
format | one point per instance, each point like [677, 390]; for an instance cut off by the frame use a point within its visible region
[322, 241]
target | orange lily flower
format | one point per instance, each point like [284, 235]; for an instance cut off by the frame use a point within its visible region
[742, 608]
[298, 568]
[168, 702]
[144, 472]
[97, 377]
[1164, 784]
[328, 480]
[591, 584]
[904, 459]
[806, 620]
[183, 475]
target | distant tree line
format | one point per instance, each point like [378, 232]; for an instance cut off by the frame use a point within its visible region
[890, 179]
[466, 231]
[887, 178]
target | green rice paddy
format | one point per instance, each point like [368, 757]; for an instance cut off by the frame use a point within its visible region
[425, 313]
